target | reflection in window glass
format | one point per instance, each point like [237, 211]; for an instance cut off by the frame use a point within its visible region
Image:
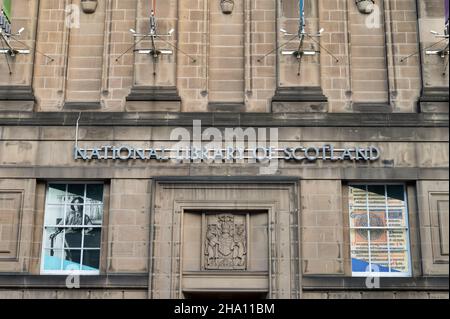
[379, 230]
[72, 228]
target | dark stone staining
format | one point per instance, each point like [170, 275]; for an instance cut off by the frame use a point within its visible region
[16, 93]
[154, 93]
[372, 107]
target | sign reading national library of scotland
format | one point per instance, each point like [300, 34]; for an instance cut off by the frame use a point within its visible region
[228, 154]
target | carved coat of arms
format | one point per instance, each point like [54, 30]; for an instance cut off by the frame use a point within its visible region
[226, 242]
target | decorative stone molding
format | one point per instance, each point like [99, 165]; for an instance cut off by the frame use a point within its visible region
[16, 98]
[299, 100]
[89, 6]
[225, 242]
[153, 99]
[434, 100]
[227, 6]
[365, 6]
[372, 107]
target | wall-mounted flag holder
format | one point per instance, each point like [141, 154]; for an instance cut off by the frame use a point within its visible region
[441, 38]
[301, 35]
[153, 35]
[7, 36]
[6, 33]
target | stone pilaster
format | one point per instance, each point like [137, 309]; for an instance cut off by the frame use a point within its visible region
[299, 87]
[16, 91]
[434, 96]
[154, 85]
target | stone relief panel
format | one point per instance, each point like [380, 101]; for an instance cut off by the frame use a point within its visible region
[439, 214]
[434, 234]
[10, 217]
[226, 242]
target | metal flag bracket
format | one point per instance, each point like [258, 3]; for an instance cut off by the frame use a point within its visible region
[301, 35]
[431, 50]
[153, 35]
[6, 41]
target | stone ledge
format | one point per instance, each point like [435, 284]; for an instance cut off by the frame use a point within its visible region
[299, 94]
[226, 107]
[225, 119]
[16, 98]
[153, 93]
[434, 100]
[137, 281]
[364, 107]
[151, 171]
[299, 100]
[434, 94]
[16, 93]
[82, 106]
[323, 283]
[153, 99]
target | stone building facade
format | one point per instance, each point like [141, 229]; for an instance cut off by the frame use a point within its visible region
[340, 189]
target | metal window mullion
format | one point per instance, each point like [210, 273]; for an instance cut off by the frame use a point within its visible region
[82, 229]
[63, 252]
[368, 231]
[407, 244]
[61, 267]
[376, 227]
[90, 226]
[388, 231]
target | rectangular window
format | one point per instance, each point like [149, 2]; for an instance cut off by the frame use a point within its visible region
[379, 232]
[72, 228]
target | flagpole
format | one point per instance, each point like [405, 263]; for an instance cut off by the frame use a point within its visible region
[301, 17]
[447, 26]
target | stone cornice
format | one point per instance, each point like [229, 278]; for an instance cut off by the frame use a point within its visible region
[225, 119]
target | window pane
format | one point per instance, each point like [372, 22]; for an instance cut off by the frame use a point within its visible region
[75, 191]
[358, 196]
[358, 206]
[378, 239]
[377, 205]
[73, 238]
[53, 238]
[93, 215]
[377, 218]
[399, 261]
[360, 250]
[54, 215]
[91, 260]
[72, 259]
[380, 260]
[397, 205]
[56, 193]
[72, 227]
[396, 194]
[52, 259]
[398, 239]
[92, 238]
[376, 195]
[74, 215]
[360, 260]
[358, 218]
[94, 194]
[397, 217]
[379, 248]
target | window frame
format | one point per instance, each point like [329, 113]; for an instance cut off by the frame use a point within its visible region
[407, 227]
[44, 226]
